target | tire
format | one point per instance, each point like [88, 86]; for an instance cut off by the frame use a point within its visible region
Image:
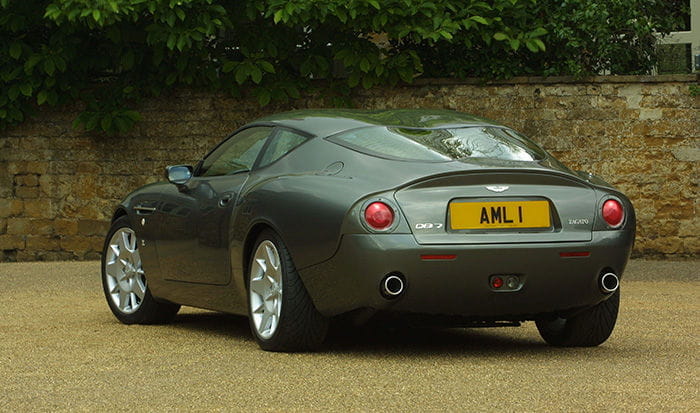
[588, 328]
[124, 282]
[281, 314]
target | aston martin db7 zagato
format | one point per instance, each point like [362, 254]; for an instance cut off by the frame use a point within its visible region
[298, 218]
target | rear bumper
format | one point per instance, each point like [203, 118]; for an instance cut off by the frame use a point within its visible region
[350, 279]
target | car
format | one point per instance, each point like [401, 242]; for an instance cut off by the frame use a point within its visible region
[305, 217]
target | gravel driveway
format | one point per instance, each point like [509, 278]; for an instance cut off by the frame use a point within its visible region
[61, 349]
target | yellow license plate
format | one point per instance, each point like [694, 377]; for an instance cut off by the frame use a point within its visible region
[508, 214]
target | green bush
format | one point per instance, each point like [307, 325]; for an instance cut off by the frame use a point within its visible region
[108, 54]
[584, 37]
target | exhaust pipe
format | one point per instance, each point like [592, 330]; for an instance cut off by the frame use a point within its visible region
[392, 286]
[609, 283]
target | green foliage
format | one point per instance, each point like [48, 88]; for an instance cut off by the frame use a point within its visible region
[582, 37]
[694, 90]
[109, 54]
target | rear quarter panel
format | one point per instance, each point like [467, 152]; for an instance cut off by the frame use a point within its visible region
[306, 196]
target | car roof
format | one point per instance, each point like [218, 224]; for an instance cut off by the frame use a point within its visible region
[326, 122]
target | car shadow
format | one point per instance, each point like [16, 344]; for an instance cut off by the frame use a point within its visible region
[220, 324]
[345, 339]
[415, 341]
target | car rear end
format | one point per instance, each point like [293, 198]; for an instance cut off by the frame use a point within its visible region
[498, 239]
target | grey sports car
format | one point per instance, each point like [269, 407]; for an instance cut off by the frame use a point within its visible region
[427, 215]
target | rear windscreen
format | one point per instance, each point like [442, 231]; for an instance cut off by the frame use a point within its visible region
[440, 145]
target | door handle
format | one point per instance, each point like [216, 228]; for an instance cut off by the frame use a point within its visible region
[144, 210]
[225, 200]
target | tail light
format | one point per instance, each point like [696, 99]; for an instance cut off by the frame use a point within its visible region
[379, 215]
[613, 213]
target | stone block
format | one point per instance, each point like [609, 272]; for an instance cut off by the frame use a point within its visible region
[38, 242]
[55, 256]
[689, 228]
[687, 154]
[665, 245]
[609, 102]
[46, 188]
[5, 181]
[92, 227]
[26, 226]
[650, 114]
[674, 209]
[81, 244]
[691, 246]
[10, 207]
[682, 114]
[28, 167]
[27, 180]
[24, 255]
[12, 242]
[665, 129]
[39, 208]
[63, 167]
[65, 227]
[88, 168]
[26, 192]
[74, 208]
[3, 225]
[666, 101]
[70, 142]
[34, 143]
[668, 89]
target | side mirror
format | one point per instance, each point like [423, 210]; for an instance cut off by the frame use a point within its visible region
[178, 174]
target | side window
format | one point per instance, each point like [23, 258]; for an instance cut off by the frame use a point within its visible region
[237, 154]
[280, 145]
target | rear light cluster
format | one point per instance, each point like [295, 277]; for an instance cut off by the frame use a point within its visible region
[379, 216]
[613, 213]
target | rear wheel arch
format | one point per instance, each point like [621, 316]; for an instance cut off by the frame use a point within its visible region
[249, 243]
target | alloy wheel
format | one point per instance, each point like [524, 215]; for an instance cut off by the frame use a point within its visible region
[124, 274]
[265, 289]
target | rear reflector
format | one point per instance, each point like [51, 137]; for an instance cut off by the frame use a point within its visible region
[438, 257]
[574, 254]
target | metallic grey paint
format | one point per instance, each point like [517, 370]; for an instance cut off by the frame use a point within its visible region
[197, 235]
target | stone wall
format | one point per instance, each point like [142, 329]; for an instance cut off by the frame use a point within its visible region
[58, 186]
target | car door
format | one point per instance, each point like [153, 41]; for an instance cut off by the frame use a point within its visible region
[193, 246]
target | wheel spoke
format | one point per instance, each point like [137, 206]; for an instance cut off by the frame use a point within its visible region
[139, 288]
[258, 308]
[122, 241]
[272, 259]
[273, 322]
[113, 268]
[114, 289]
[134, 300]
[259, 285]
[123, 300]
[130, 241]
[265, 322]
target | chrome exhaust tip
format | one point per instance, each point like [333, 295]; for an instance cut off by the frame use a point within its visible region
[609, 283]
[392, 286]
